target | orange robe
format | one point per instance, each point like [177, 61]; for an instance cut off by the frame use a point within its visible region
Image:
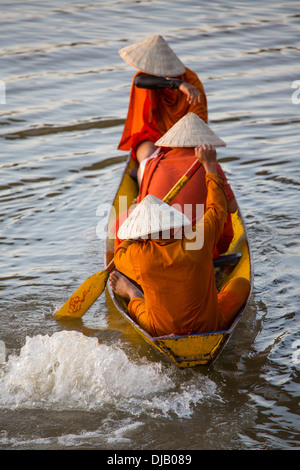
[160, 175]
[178, 283]
[162, 172]
[151, 113]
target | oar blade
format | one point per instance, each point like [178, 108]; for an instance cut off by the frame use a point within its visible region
[84, 296]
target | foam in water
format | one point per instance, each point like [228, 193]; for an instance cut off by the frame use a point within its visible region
[71, 371]
[2, 352]
[77, 371]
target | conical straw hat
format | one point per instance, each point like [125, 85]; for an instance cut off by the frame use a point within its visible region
[153, 56]
[190, 131]
[150, 217]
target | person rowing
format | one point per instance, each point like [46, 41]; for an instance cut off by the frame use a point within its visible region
[175, 157]
[162, 92]
[168, 282]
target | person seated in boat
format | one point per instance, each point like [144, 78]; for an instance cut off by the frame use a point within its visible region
[176, 156]
[162, 92]
[177, 293]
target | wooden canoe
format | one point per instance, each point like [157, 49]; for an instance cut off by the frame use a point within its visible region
[194, 349]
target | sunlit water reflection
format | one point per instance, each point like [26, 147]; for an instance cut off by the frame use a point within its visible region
[94, 383]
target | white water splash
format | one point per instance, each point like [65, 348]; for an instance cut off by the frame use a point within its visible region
[71, 371]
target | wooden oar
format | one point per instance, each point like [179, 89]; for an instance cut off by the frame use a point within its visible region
[93, 287]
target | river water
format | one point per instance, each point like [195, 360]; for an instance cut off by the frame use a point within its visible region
[92, 383]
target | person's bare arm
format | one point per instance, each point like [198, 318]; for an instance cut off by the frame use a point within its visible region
[152, 82]
[207, 155]
[193, 95]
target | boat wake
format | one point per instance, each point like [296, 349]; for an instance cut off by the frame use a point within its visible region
[71, 371]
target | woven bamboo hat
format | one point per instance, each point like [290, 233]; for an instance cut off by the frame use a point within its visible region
[150, 217]
[153, 56]
[190, 131]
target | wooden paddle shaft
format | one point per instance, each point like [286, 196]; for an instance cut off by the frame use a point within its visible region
[182, 182]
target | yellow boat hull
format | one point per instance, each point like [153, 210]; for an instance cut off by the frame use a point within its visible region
[195, 349]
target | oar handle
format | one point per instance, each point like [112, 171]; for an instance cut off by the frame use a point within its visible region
[110, 266]
[182, 182]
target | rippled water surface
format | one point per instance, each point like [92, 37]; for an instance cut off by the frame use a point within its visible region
[93, 383]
